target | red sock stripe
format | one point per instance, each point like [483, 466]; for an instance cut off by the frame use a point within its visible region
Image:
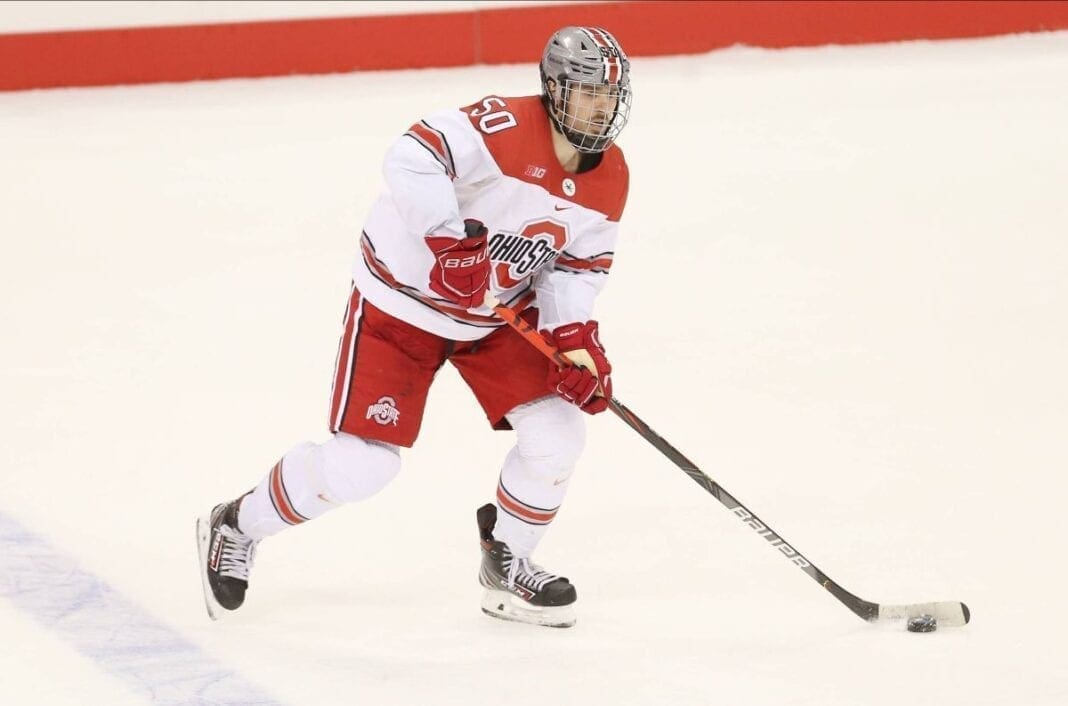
[281, 500]
[533, 515]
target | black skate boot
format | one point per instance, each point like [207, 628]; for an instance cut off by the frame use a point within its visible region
[225, 559]
[517, 589]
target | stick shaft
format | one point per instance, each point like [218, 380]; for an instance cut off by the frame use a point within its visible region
[865, 609]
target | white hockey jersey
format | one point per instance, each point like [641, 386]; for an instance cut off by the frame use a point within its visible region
[551, 233]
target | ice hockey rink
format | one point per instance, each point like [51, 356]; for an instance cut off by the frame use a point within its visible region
[841, 289]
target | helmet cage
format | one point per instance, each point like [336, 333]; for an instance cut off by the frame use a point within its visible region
[580, 67]
[573, 109]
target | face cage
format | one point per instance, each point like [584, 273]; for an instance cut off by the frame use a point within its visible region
[589, 136]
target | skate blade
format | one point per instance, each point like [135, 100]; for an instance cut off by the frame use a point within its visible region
[203, 536]
[505, 606]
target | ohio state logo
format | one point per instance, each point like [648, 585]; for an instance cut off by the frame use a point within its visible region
[384, 411]
[515, 256]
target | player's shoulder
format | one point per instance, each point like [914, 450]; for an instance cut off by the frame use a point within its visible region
[518, 106]
[515, 131]
[447, 119]
[614, 165]
[608, 184]
[507, 120]
[518, 135]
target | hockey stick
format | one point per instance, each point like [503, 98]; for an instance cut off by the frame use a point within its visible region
[947, 613]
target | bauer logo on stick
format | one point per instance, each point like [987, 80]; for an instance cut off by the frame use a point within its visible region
[384, 411]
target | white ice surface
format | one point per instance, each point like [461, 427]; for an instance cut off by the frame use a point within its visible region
[842, 289]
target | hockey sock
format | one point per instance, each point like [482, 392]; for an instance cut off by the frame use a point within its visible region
[550, 435]
[313, 478]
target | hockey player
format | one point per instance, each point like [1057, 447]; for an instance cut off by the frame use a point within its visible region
[518, 197]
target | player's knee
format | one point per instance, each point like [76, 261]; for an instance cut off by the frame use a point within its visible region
[550, 436]
[356, 469]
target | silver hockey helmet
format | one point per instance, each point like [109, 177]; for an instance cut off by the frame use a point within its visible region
[585, 81]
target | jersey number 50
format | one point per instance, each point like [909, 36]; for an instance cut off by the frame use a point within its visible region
[492, 116]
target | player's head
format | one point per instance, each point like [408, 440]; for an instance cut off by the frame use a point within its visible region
[585, 81]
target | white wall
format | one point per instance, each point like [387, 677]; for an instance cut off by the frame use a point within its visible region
[25, 16]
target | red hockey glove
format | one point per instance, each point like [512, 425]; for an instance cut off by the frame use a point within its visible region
[588, 381]
[461, 273]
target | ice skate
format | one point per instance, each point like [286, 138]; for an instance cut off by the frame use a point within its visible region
[226, 556]
[517, 589]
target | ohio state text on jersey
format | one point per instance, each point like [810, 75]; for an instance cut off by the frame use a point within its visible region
[552, 233]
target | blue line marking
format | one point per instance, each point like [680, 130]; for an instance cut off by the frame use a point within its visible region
[118, 635]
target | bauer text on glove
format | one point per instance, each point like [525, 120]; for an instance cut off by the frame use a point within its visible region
[461, 270]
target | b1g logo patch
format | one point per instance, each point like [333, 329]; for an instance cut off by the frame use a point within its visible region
[384, 411]
[516, 256]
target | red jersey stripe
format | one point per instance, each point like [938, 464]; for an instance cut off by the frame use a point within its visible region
[435, 142]
[603, 263]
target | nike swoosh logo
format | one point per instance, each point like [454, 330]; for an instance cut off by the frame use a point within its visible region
[562, 208]
[558, 481]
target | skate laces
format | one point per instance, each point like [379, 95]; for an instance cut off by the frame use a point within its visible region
[238, 552]
[527, 574]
